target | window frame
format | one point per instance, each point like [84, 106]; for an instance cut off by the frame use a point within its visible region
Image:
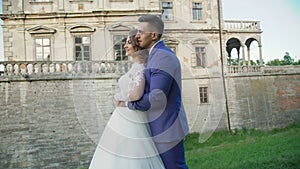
[172, 11]
[203, 95]
[82, 48]
[43, 48]
[197, 10]
[200, 56]
[122, 42]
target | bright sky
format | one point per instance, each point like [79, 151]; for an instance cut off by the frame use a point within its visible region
[279, 19]
[280, 23]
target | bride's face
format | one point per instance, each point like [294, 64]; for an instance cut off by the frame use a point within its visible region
[129, 48]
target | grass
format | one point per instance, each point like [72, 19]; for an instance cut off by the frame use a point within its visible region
[246, 149]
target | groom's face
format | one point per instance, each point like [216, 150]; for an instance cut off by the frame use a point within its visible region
[144, 36]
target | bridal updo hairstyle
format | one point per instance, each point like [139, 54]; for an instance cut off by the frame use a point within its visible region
[140, 52]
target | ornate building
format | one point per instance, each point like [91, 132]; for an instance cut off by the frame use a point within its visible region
[54, 36]
[62, 60]
[56, 30]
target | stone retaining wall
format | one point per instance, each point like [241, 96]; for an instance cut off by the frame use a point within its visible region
[55, 122]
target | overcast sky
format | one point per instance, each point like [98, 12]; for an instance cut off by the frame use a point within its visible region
[280, 22]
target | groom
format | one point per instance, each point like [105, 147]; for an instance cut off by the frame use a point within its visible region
[162, 99]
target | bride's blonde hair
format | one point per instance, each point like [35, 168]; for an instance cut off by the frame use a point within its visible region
[142, 53]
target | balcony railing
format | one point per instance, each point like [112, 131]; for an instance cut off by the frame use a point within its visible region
[64, 69]
[244, 69]
[242, 25]
[35, 70]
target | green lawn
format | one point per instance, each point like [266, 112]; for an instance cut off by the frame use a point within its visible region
[246, 149]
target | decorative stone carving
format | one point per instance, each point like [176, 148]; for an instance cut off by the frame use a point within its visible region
[41, 30]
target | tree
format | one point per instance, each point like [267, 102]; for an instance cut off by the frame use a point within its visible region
[297, 62]
[234, 62]
[287, 60]
[275, 62]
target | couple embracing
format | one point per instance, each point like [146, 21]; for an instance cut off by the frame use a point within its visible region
[149, 124]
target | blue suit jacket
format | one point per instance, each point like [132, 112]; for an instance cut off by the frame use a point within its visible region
[162, 99]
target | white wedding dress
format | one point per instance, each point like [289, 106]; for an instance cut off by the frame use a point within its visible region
[126, 141]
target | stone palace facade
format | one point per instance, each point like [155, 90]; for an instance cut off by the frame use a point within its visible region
[91, 30]
[63, 58]
[71, 39]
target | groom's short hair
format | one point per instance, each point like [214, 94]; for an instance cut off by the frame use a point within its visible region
[155, 23]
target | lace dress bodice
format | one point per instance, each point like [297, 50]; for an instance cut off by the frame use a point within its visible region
[131, 84]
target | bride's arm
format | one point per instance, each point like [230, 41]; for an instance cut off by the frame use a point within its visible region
[136, 86]
[119, 96]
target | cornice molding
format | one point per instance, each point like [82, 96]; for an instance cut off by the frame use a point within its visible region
[41, 30]
[81, 29]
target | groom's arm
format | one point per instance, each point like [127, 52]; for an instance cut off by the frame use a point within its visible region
[160, 85]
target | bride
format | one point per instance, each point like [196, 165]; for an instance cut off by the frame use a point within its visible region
[126, 140]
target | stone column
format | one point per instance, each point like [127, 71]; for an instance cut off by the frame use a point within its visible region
[239, 58]
[243, 54]
[248, 51]
[260, 55]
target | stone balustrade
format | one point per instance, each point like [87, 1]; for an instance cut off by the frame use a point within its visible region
[39, 70]
[244, 69]
[240, 25]
[261, 70]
